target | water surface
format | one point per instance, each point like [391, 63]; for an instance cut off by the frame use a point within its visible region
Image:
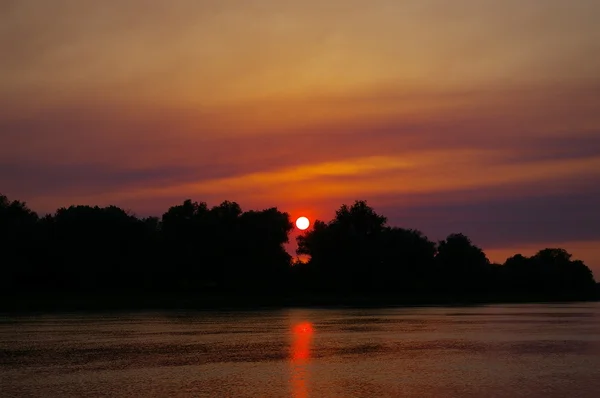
[485, 351]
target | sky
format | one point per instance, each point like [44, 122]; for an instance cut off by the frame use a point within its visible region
[472, 116]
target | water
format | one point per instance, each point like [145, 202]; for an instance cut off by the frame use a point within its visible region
[489, 351]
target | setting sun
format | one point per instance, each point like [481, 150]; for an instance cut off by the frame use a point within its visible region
[302, 223]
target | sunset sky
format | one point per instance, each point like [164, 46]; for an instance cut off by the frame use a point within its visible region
[481, 117]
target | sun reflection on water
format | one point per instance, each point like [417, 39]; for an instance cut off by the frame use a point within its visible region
[302, 334]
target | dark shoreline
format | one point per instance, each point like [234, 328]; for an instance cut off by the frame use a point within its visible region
[45, 304]
[86, 258]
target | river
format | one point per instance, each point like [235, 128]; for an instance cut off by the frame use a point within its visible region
[533, 350]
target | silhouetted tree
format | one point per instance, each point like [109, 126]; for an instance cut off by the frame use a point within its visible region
[17, 242]
[193, 249]
[266, 263]
[223, 251]
[186, 234]
[94, 248]
[549, 271]
[407, 264]
[519, 274]
[561, 273]
[462, 266]
[226, 248]
[347, 250]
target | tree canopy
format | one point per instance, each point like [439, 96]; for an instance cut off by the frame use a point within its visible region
[195, 249]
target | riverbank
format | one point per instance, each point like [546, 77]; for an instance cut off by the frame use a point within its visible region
[49, 303]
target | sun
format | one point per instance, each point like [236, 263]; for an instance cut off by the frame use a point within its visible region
[302, 223]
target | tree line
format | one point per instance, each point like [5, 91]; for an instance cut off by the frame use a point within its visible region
[358, 251]
[196, 249]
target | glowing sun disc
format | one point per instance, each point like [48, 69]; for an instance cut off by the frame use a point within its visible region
[302, 223]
